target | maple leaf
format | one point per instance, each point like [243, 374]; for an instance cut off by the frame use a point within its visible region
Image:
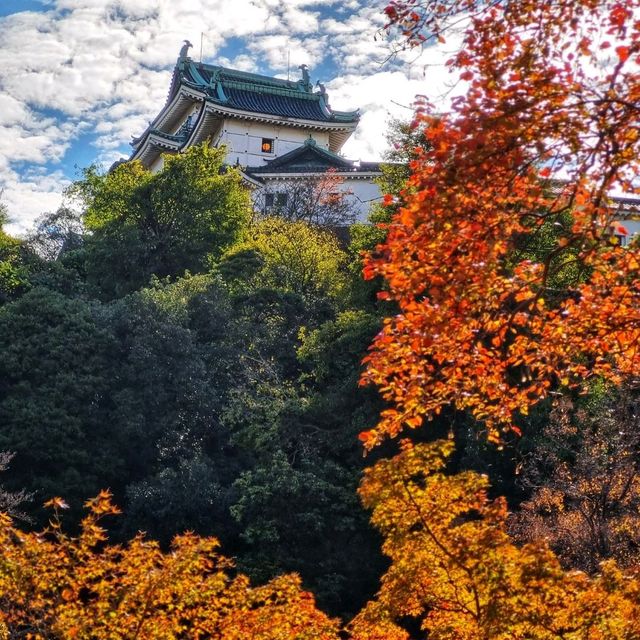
[455, 570]
[623, 53]
[56, 503]
[66, 587]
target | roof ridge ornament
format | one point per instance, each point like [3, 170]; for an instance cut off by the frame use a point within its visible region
[306, 79]
[324, 98]
[184, 51]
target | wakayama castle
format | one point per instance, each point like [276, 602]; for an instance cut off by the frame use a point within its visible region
[276, 132]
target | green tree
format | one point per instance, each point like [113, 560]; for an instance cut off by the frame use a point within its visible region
[15, 262]
[105, 395]
[193, 493]
[178, 359]
[164, 223]
[295, 428]
[292, 257]
[54, 359]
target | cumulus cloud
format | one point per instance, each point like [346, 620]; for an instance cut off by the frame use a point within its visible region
[101, 69]
[30, 195]
[383, 96]
[276, 50]
[241, 62]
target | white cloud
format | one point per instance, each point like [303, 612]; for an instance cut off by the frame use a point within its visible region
[30, 195]
[242, 62]
[299, 21]
[386, 95]
[276, 50]
[13, 112]
[380, 97]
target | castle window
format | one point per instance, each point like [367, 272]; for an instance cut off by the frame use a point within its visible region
[274, 202]
[267, 145]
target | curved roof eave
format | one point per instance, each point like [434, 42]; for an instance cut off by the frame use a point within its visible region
[167, 142]
[347, 175]
[250, 179]
[282, 120]
[184, 96]
[155, 143]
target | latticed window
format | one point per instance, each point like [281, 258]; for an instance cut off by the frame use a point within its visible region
[275, 201]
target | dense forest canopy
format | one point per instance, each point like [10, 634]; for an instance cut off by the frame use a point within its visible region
[166, 350]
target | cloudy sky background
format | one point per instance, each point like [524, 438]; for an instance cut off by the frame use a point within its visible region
[79, 78]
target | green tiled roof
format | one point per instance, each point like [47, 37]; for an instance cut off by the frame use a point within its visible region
[259, 94]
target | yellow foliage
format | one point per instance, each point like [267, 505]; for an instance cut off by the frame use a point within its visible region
[454, 572]
[296, 257]
[457, 573]
[55, 586]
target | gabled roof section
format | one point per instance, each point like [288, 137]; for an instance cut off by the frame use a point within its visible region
[307, 158]
[258, 94]
[310, 158]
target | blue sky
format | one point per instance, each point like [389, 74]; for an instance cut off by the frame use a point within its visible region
[79, 78]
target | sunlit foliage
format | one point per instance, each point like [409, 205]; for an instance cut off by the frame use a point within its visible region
[56, 586]
[456, 574]
[294, 257]
[548, 127]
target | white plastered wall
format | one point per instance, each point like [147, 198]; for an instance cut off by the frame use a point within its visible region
[157, 164]
[362, 193]
[243, 140]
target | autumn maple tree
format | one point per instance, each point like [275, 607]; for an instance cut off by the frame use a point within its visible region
[510, 286]
[456, 573]
[53, 585]
[548, 128]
